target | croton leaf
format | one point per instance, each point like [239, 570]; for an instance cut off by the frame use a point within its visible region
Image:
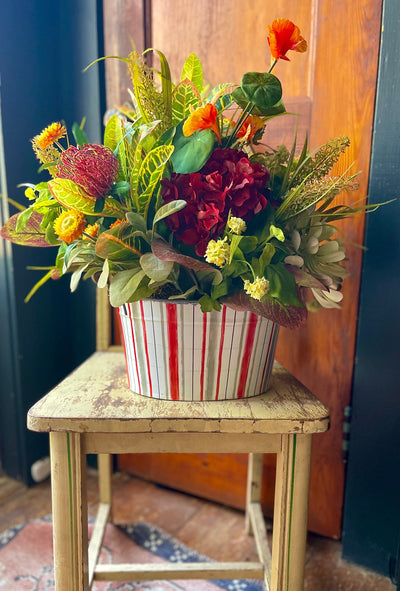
[32, 234]
[114, 244]
[72, 196]
[288, 316]
[193, 71]
[185, 95]
[114, 139]
[165, 252]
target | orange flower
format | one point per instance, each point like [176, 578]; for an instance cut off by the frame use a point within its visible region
[49, 135]
[115, 224]
[284, 36]
[91, 230]
[250, 127]
[202, 118]
[69, 225]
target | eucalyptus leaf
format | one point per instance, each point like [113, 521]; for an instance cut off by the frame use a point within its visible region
[137, 221]
[168, 209]
[103, 279]
[76, 277]
[124, 284]
[155, 268]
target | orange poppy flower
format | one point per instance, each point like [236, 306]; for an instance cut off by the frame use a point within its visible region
[283, 37]
[250, 127]
[202, 118]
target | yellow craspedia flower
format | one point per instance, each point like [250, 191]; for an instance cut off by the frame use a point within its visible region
[69, 225]
[49, 135]
[258, 288]
[218, 252]
[91, 230]
[237, 225]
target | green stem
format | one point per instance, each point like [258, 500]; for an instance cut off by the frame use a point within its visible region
[272, 66]
[245, 113]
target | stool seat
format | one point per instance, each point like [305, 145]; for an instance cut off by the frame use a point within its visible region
[93, 411]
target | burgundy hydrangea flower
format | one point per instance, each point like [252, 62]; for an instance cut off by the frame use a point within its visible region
[227, 182]
[93, 167]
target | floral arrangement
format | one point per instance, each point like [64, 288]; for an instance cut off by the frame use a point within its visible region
[183, 201]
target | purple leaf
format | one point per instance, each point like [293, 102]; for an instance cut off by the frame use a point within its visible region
[31, 235]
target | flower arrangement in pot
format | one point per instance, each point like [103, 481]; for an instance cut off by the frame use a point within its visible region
[194, 224]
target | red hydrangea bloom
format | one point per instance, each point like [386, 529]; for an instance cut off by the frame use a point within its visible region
[93, 167]
[227, 182]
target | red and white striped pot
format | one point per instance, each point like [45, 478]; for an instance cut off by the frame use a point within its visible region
[174, 351]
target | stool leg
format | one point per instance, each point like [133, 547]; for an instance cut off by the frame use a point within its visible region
[254, 478]
[104, 465]
[290, 513]
[70, 528]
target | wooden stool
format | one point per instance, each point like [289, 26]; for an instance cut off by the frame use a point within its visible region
[93, 411]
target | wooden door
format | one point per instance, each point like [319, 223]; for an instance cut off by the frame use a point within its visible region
[332, 87]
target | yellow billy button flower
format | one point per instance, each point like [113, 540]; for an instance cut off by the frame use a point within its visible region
[218, 252]
[237, 225]
[258, 288]
[49, 135]
[69, 225]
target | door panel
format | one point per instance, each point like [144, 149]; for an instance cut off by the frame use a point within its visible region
[332, 87]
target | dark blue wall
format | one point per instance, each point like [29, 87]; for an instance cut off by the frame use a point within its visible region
[44, 47]
[372, 505]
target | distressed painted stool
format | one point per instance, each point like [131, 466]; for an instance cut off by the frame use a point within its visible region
[93, 411]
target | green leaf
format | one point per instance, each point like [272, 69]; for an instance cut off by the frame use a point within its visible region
[248, 243]
[193, 71]
[71, 196]
[114, 139]
[207, 304]
[124, 284]
[168, 209]
[266, 257]
[79, 135]
[274, 110]
[23, 219]
[31, 235]
[155, 268]
[191, 153]
[277, 233]
[282, 285]
[185, 95]
[262, 89]
[235, 241]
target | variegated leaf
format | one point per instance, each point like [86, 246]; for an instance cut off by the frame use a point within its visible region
[114, 138]
[32, 233]
[185, 95]
[150, 174]
[193, 71]
[71, 196]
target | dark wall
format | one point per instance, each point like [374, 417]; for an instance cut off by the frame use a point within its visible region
[44, 47]
[372, 505]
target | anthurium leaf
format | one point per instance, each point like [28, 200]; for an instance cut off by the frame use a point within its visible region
[193, 71]
[287, 316]
[165, 252]
[192, 152]
[154, 267]
[115, 245]
[114, 134]
[168, 209]
[185, 95]
[31, 235]
[72, 196]
[124, 284]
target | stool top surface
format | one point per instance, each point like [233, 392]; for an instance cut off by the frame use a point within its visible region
[96, 398]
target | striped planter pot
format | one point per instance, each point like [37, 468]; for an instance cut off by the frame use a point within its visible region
[174, 351]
